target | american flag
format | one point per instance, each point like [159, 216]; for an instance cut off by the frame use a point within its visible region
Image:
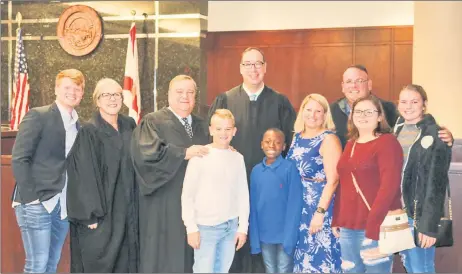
[20, 103]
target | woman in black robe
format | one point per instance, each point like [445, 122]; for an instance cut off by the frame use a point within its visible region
[102, 198]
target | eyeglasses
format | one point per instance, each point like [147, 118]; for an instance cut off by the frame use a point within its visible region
[366, 112]
[257, 65]
[116, 95]
[357, 81]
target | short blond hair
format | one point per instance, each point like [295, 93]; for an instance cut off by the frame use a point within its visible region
[102, 85]
[328, 122]
[75, 75]
[223, 114]
[181, 77]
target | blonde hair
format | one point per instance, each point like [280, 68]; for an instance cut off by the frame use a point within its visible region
[102, 85]
[75, 75]
[328, 122]
[182, 77]
[223, 114]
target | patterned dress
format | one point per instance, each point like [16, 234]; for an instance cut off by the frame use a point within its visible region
[319, 252]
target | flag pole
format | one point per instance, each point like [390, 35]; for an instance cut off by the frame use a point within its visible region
[156, 52]
[11, 94]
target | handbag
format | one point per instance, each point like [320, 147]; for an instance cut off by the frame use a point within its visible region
[395, 233]
[444, 236]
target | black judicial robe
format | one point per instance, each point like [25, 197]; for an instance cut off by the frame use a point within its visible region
[253, 118]
[158, 147]
[101, 189]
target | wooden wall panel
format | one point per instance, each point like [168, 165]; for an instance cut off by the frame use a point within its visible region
[372, 35]
[279, 76]
[402, 68]
[306, 61]
[319, 75]
[330, 36]
[377, 59]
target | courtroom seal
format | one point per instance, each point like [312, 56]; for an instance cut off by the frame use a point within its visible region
[79, 30]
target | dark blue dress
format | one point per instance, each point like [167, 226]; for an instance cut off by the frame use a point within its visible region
[319, 252]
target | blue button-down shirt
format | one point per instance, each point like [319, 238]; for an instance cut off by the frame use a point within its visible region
[70, 125]
[276, 197]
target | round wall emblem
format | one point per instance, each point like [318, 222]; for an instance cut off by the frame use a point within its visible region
[79, 30]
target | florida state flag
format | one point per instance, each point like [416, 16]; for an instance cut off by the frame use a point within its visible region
[131, 88]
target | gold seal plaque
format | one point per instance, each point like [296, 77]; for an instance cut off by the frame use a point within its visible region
[79, 30]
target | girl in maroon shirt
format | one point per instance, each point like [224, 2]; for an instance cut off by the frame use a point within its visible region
[375, 157]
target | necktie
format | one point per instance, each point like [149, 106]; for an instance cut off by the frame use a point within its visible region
[188, 127]
[253, 97]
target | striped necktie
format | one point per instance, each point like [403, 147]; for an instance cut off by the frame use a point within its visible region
[253, 97]
[188, 127]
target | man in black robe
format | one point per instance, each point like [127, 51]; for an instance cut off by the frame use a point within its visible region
[256, 108]
[161, 146]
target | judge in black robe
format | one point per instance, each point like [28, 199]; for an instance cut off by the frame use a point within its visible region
[271, 109]
[159, 148]
[102, 191]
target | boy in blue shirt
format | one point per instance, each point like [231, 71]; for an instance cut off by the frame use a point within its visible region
[275, 205]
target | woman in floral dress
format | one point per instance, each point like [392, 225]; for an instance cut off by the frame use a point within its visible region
[316, 151]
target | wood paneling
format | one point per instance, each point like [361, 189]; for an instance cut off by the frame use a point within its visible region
[8, 138]
[373, 35]
[402, 67]
[377, 59]
[301, 62]
[318, 73]
[12, 248]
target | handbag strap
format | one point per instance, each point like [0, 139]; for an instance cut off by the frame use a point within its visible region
[355, 183]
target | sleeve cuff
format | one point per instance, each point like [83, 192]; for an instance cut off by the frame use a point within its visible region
[255, 250]
[191, 228]
[242, 229]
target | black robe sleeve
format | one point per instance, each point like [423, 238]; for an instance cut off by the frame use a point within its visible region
[287, 118]
[86, 199]
[219, 102]
[155, 160]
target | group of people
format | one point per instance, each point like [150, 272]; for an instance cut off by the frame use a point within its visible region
[255, 187]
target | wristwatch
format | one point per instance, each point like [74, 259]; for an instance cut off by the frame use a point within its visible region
[320, 210]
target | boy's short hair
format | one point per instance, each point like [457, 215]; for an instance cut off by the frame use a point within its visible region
[278, 131]
[223, 114]
[75, 75]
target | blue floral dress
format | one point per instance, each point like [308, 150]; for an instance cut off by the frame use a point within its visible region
[320, 252]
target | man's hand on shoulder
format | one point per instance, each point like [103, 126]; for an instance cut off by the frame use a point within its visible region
[196, 151]
[446, 136]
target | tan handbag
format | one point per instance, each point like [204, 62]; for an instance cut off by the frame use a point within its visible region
[395, 232]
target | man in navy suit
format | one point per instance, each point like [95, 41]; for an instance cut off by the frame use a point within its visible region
[45, 136]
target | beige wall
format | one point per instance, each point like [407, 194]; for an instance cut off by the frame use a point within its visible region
[437, 59]
[277, 15]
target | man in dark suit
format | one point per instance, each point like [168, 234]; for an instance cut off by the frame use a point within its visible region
[45, 136]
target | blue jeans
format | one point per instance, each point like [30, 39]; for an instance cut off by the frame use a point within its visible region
[352, 242]
[275, 259]
[43, 235]
[418, 260]
[216, 248]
